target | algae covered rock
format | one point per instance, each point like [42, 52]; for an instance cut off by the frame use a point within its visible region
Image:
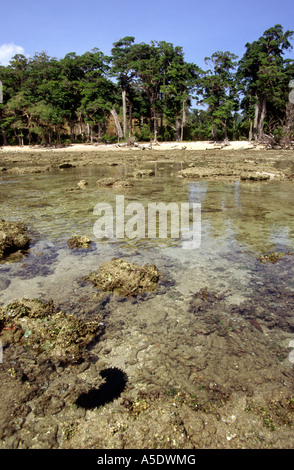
[255, 176]
[110, 182]
[123, 278]
[13, 238]
[82, 183]
[273, 257]
[144, 173]
[42, 329]
[79, 242]
[106, 182]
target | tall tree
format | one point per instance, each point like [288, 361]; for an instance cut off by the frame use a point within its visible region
[219, 90]
[98, 93]
[145, 62]
[121, 68]
[262, 76]
[179, 78]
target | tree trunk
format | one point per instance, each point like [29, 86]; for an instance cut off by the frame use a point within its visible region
[81, 127]
[130, 119]
[72, 132]
[256, 118]
[29, 137]
[183, 119]
[57, 134]
[4, 137]
[125, 124]
[250, 130]
[18, 137]
[155, 124]
[178, 129]
[88, 132]
[91, 133]
[213, 132]
[117, 124]
[99, 133]
[225, 130]
[262, 118]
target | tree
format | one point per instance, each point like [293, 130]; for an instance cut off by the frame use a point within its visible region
[121, 68]
[145, 63]
[218, 89]
[160, 71]
[263, 76]
[178, 80]
[98, 93]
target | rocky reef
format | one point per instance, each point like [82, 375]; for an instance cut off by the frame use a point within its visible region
[40, 328]
[110, 182]
[248, 170]
[273, 257]
[127, 279]
[79, 242]
[13, 238]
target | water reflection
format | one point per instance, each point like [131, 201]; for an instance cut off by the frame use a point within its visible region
[258, 215]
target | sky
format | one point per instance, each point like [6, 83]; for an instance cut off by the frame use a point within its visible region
[200, 27]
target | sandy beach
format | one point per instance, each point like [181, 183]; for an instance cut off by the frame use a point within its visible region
[201, 145]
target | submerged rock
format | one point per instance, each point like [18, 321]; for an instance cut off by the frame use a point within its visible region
[110, 182]
[232, 170]
[272, 257]
[126, 279]
[13, 237]
[82, 183]
[41, 329]
[143, 173]
[256, 176]
[106, 182]
[79, 242]
[66, 165]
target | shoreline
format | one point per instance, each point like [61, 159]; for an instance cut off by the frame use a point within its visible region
[238, 160]
[198, 145]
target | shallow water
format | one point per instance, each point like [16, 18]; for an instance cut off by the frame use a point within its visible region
[239, 221]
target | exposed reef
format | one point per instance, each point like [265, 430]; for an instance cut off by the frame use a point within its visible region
[13, 238]
[79, 242]
[248, 170]
[273, 257]
[42, 329]
[110, 182]
[123, 278]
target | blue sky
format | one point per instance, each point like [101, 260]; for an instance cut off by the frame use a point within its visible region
[200, 27]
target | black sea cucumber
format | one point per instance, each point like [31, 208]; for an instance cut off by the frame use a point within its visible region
[114, 385]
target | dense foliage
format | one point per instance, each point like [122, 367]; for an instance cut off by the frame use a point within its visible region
[149, 91]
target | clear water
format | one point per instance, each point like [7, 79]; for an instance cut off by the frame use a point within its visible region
[239, 221]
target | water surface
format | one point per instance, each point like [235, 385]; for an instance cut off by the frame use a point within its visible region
[239, 221]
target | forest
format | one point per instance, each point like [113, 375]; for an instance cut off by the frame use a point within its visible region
[149, 92]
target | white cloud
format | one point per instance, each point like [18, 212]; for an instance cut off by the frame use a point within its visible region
[7, 51]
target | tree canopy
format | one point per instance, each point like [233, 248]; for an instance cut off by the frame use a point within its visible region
[151, 91]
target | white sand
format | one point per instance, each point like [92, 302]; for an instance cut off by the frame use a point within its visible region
[203, 145]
